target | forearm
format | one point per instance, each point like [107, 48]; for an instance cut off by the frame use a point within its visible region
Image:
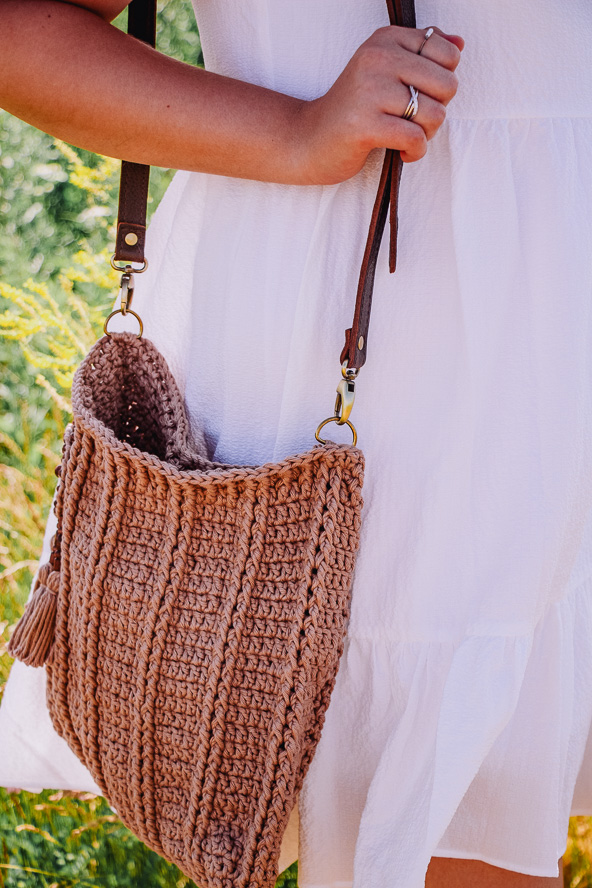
[73, 75]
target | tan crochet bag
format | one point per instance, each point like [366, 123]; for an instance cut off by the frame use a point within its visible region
[200, 617]
[192, 615]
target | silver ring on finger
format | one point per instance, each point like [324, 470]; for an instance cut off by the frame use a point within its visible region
[413, 106]
[426, 37]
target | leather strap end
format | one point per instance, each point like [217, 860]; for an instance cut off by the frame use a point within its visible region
[352, 353]
[394, 226]
[132, 249]
[131, 215]
[345, 350]
[397, 169]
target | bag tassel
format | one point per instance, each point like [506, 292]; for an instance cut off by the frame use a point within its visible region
[34, 633]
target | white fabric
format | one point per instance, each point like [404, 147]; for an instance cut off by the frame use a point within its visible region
[461, 717]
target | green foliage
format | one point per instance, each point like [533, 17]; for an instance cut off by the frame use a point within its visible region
[65, 839]
[176, 32]
[577, 862]
[46, 328]
[74, 839]
[35, 202]
[44, 213]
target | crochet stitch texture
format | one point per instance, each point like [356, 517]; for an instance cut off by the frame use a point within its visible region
[200, 619]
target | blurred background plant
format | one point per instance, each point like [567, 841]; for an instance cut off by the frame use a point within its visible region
[57, 209]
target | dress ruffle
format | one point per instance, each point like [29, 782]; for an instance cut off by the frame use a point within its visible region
[468, 749]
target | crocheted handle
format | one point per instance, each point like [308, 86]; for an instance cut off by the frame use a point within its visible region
[133, 196]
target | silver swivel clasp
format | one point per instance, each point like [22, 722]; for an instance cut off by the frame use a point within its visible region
[346, 395]
[126, 291]
[126, 294]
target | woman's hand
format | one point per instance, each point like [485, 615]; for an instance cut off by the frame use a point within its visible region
[60, 59]
[363, 108]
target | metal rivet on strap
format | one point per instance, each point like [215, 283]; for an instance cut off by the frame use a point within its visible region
[360, 343]
[131, 239]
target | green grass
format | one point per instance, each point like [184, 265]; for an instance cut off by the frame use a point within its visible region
[62, 840]
[74, 839]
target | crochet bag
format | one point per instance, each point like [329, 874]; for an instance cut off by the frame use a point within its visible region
[192, 615]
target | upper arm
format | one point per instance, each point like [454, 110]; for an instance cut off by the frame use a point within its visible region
[106, 9]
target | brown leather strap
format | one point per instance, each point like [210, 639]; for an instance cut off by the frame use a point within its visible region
[133, 187]
[401, 12]
[133, 195]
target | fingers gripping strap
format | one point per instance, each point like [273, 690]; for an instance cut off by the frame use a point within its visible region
[133, 188]
[401, 12]
[133, 195]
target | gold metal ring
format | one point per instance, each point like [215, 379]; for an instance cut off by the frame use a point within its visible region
[337, 420]
[128, 312]
[128, 266]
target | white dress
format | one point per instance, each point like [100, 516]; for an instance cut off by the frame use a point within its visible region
[460, 720]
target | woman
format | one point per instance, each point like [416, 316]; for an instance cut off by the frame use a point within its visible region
[455, 742]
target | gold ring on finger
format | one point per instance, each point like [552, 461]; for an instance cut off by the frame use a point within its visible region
[413, 106]
[426, 37]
